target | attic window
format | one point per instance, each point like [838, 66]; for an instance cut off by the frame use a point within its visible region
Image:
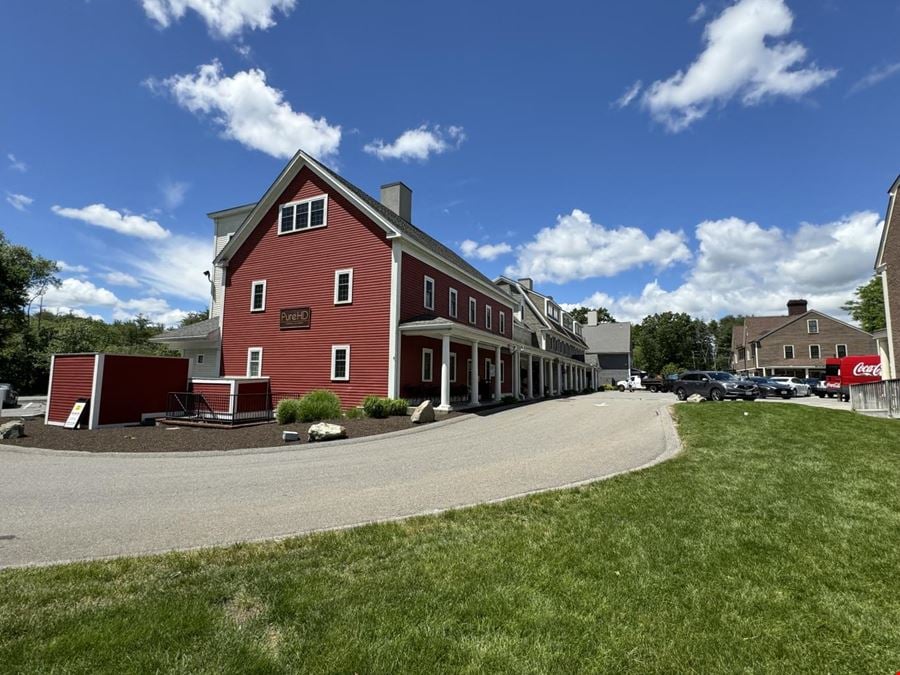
[812, 326]
[306, 214]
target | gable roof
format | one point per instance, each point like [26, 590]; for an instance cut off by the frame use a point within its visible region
[758, 326]
[393, 224]
[608, 338]
[793, 319]
[879, 258]
[202, 330]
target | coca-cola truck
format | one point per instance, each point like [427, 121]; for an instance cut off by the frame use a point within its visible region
[841, 373]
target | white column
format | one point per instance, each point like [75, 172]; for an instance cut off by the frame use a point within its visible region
[541, 377]
[445, 373]
[530, 377]
[473, 394]
[498, 386]
[516, 387]
[559, 372]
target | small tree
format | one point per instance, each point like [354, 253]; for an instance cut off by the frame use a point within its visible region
[603, 315]
[867, 307]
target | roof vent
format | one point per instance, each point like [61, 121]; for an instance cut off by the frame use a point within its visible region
[398, 198]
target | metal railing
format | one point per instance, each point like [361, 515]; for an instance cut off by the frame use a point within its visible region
[224, 409]
[876, 398]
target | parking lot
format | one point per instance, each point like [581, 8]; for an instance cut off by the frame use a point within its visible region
[29, 406]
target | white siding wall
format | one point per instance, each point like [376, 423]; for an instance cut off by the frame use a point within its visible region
[210, 365]
[224, 228]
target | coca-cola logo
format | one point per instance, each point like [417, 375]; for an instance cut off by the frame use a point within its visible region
[867, 370]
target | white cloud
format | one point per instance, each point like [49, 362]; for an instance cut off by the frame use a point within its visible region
[71, 269]
[173, 193]
[630, 94]
[116, 278]
[15, 164]
[83, 298]
[743, 59]
[19, 202]
[744, 268]
[419, 143]
[156, 309]
[78, 293]
[224, 18]
[471, 249]
[577, 248]
[250, 111]
[699, 13]
[875, 76]
[175, 267]
[123, 223]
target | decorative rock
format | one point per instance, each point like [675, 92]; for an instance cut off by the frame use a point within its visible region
[695, 398]
[423, 413]
[14, 429]
[288, 436]
[323, 431]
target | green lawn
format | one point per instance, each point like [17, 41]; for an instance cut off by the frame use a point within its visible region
[770, 545]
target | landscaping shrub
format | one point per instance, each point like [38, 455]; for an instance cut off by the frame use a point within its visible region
[376, 406]
[288, 411]
[398, 406]
[354, 414]
[509, 399]
[319, 405]
[587, 390]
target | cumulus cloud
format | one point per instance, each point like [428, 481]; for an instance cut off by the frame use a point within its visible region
[578, 248]
[174, 267]
[630, 94]
[419, 143]
[110, 219]
[875, 76]
[71, 269]
[84, 298]
[156, 309]
[78, 293]
[116, 278]
[472, 249]
[173, 193]
[15, 164]
[224, 18]
[745, 58]
[744, 268]
[251, 112]
[19, 202]
[699, 13]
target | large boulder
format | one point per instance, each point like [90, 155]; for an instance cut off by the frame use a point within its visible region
[423, 413]
[695, 398]
[14, 429]
[323, 431]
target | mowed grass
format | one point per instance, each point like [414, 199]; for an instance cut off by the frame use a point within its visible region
[771, 545]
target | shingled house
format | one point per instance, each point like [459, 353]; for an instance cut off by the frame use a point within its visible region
[795, 345]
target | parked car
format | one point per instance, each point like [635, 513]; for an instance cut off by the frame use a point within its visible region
[816, 386]
[714, 385]
[11, 396]
[769, 387]
[798, 385]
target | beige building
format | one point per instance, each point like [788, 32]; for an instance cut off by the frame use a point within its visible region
[887, 264]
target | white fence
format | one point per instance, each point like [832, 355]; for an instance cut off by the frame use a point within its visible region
[876, 398]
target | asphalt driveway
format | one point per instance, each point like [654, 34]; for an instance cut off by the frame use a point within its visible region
[60, 506]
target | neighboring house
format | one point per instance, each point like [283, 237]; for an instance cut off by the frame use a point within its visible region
[887, 264]
[609, 348]
[320, 286]
[795, 345]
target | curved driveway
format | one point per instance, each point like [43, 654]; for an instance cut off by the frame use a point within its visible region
[58, 506]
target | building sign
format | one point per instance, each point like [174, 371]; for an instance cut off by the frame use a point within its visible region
[297, 317]
[77, 413]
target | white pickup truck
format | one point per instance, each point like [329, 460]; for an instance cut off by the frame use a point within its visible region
[633, 383]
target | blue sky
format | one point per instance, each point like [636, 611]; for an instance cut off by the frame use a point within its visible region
[715, 157]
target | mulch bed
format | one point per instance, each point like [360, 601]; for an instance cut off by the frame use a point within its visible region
[165, 438]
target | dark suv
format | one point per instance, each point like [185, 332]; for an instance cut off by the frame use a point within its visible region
[714, 385]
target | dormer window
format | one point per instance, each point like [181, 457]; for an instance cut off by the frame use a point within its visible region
[305, 214]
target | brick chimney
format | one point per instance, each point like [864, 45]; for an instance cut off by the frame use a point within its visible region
[398, 198]
[796, 307]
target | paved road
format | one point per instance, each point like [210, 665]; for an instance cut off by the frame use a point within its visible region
[29, 406]
[67, 506]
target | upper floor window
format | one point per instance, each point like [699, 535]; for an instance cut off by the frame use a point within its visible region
[258, 296]
[303, 215]
[453, 303]
[789, 351]
[488, 311]
[815, 352]
[343, 287]
[429, 293]
[840, 351]
[502, 323]
[473, 310]
[812, 326]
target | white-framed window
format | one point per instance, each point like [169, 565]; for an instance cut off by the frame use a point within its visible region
[487, 369]
[428, 294]
[453, 303]
[452, 366]
[473, 310]
[789, 351]
[815, 352]
[258, 296]
[812, 326]
[254, 361]
[340, 363]
[343, 287]
[427, 365]
[304, 214]
[488, 311]
[502, 323]
[200, 359]
[840, 351]
[502, 371]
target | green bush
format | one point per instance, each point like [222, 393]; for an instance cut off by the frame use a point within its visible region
[288, 411]
[376, 406]
[319, 405]
[398, 406]
[354, 414]
[506, 400]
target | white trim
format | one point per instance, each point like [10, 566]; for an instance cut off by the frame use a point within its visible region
[96, 386]
[473, 311]
[809, 331]
[253, 285]
[452, 367]
[49, 389]
[793, 355]
[425, 283]
[393, 383]
[453, 303]
[892, 372]
[488, 317]
[334, 351]
[295, 204]
[819, 347]
[502, 325]
[430, 352]
[879, 257]
[250, 351]
[846, 351]
[337, 274]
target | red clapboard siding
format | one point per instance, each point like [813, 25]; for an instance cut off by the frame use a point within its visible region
[412, 297]
[411, 362]
[253, 396]
[217, 395]
[73, 378]
[299, 272]
[135, 385]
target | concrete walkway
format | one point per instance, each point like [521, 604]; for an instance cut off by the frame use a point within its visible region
[61, 506]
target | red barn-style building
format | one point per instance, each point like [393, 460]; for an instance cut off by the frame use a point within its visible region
[320, 286]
